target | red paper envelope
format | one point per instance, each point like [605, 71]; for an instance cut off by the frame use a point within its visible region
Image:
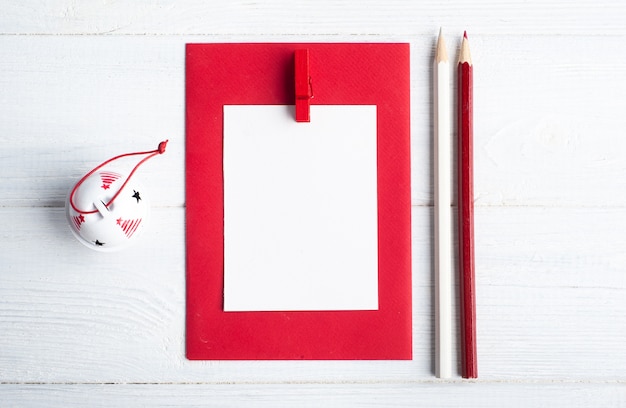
[263, 74]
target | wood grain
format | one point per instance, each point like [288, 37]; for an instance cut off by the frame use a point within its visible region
[280, 17]
[549, 301]
[71, 102]
[480, 394]
[84, 81]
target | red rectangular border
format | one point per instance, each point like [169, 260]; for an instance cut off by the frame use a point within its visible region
[262, 74]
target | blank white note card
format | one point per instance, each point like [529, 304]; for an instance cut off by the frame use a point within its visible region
[300, 209]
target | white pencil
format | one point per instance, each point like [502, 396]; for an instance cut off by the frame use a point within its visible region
[443, 225]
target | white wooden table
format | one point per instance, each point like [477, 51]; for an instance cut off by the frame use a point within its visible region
[83, 81]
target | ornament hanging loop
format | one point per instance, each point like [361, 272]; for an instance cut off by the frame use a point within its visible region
[149, 154]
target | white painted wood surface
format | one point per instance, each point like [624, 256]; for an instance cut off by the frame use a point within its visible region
[83, 81]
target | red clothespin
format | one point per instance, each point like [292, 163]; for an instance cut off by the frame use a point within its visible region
[303, 85]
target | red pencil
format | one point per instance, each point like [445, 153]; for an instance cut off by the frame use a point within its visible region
[466, 213]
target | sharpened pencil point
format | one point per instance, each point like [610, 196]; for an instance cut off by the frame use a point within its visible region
[464, 34]
[464, 54]
[441, 55]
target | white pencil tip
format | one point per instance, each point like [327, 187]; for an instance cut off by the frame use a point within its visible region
[441, 55]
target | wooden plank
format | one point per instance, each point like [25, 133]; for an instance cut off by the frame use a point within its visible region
[555, 17]
[72, 102]
[550, 291]
[345, 395]
[83, 81]
[552, 279]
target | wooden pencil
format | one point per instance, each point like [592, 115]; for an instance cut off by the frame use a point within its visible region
[443, 223]
[469, 367]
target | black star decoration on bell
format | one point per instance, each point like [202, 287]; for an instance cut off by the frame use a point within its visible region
[136, 195]
[98, 243]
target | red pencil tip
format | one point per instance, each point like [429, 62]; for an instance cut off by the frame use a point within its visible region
[465, 34]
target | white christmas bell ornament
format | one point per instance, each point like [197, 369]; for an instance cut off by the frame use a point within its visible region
[107, 210]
